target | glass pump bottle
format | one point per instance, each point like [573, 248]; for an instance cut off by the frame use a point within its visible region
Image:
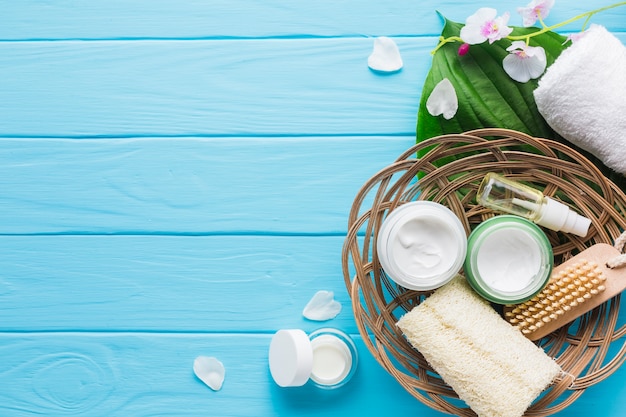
[505, 195]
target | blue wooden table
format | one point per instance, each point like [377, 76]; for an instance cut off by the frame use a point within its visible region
[175, 179]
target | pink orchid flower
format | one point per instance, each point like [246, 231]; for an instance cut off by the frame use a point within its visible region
[536, 9]
[574, 37]
[524, 62]
[484, 25]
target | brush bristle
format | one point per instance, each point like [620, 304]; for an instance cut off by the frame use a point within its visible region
[568, 288]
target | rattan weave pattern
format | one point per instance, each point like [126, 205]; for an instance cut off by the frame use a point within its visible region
[450, 168]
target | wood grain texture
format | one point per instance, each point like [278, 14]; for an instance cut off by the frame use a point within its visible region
[206, 88]
[202, 88]
[159, 283]
[175, 19]
[139, 374]
[151, 374]
[175, 178]
[187, 186]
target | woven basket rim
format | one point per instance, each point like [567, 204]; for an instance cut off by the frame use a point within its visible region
[449, 169]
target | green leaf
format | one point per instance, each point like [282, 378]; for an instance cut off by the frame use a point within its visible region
[488, 97]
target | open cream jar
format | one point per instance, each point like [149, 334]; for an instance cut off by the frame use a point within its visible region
[509, 259]
[421, 245]
[327, 357]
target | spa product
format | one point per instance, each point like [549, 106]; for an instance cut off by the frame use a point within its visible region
[576, 286]
[327, 357]
[508, 196]
[509, 259]
[490, 365]
[421, 245]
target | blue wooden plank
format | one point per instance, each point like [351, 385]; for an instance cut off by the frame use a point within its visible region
[151, 374]
[142, 374]
[167, 283]
[165, 19]
[299, 185]
[283, 87]
[206, 88]
[193, 19]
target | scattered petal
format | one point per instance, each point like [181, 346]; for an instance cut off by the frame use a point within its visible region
[322, 307]
[443, 100]
[210, 371]
[536, 9]
[484, 25]
[524, 62]
[386, 56]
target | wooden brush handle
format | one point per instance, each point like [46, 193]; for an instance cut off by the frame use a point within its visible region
[614, 284]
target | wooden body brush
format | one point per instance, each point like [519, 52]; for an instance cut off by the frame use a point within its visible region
[575, 287]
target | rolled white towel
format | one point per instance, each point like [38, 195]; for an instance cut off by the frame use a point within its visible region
[582, 96]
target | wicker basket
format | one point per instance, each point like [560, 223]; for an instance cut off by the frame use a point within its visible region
[450, 169]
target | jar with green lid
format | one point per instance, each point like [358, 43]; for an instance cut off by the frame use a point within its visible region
[509, 259]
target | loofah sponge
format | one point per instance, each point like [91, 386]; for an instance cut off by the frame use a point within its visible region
[489, 364]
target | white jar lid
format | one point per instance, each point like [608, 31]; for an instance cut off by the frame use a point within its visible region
[291, 358]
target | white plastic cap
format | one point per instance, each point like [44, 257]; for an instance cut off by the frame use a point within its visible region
[291, 358]
[559, 217]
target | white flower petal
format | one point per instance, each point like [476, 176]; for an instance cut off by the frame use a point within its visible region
[516, 68]
[529, 13]
[322, 307]
[504, 19]
[481, 16]
[516, 45]
[537, 62]
[484, 25]
[443, 100]
[529, 16]
[575, 37]
[524, 62]
[471, 34]
[210, 371]
[385, 56]
[501, 30]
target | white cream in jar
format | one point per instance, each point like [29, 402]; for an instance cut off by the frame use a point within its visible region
[509, 259]
[421, 245]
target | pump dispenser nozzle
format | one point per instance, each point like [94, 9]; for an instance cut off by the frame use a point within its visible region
[503, 194]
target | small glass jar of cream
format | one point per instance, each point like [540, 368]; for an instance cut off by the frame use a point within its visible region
[421, 245]
[327, 357]
[509, 259]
